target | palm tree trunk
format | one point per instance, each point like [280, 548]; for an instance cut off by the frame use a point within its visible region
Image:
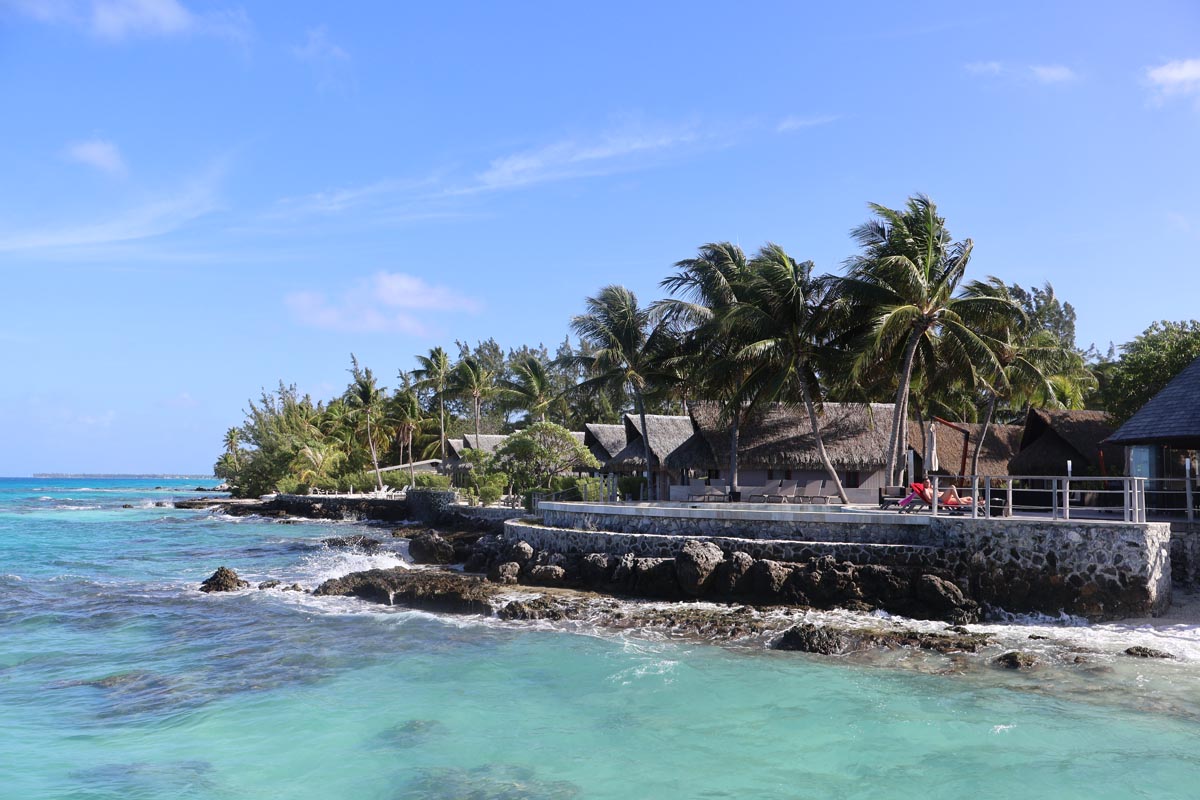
[374, 455]
[898, 421]
[442, 423]
[477, 412]
[816, 427]
[983, 432]
[412, 471]
[651, 486]
[734, 435]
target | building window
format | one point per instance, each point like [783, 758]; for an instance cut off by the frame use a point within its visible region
[770, 474]
[853, 480]
[787, 474]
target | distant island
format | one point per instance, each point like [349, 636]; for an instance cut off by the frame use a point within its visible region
[120, 475]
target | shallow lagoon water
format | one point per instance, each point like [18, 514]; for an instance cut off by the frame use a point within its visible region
[119, 680]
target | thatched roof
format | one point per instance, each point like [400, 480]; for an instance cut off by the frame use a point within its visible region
[1170, 417]
[455, 448]
[667, 433]
[485, 442]
[1051, 438]
[605, 441]
[999, 447]
[855, 437]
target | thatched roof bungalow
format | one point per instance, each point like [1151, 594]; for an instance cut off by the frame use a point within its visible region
[1166, 430]
[1052, 438]
[605, 441]
[779, 444]
[955, 451]
[484, 443]
[666, 434]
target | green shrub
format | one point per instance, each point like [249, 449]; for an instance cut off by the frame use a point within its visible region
[491, 488]
[588, 488]
[430, 480]
[632, 486]
[358, 481]
[291, 485]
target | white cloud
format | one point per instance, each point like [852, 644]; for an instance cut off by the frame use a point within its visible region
[1176, 77]
[100, 154]
[984, 67]
[154, 218]
[117, 20]
[330, 62]
[387, 302]
[1052, 73]
[798, 123]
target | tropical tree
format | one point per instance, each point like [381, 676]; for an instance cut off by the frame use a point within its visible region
[534, 456]
[786, 316]
[365, 401]
[627, 344]
[530, 389]
[475, 381]
[434, 375]
[707, 289]
[1147, 364]
[404, 413]
[232, 442]
[903, 285]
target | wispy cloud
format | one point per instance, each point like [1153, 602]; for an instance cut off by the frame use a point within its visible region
[789, 124]
[118, 20]
[984, 67]
[156, 217]
[330, 62]
[1175, 78]
[386, 302]
[1052, 73]
[99, 154]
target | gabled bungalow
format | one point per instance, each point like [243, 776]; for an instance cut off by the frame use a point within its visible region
[1165, 430]
[667, 433]
[779, 444]
[955, 450]
[1052, 438]
[605, 441]
[485, 442]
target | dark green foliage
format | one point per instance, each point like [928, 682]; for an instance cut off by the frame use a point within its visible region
[428, 480]
[632, 487]
[1146, 365]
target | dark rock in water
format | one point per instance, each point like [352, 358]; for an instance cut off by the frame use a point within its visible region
[595, 569]
[358, 540]
[160, 504]
[295, 587]
[622, 571]
[945, 600]
[539, 608]
[127, 505]
[520, 552]
[808, 638]
[428, 590]
[428, 547]
[489, 782]
[695, 565]
[270, 584]
[767, 579]
[224, 580]
[731, 576]
[413, 733]
[547, 575]
[506, 573]
[1015, 659]
[1147, 652]
[1037, 636]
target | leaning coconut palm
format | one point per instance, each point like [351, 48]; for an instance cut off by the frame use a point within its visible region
[233, 438]
[627, 344]
[786, 316]
[903, 284]
[1033, 365]
[472, 379]
[434, 375]
[530, 389]
[365, 401]
[708, 287]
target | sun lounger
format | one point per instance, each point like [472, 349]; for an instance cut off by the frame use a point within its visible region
[763, 493]
[713, 492]
[891, 496]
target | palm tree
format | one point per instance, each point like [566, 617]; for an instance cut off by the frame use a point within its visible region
[365, 401]
[404, 412]
[709, 285]
[434, 374]
[471, 379]
[531, 388]
[904, 284]
[785, 316]
[627, 344]
[232, 442]
[1033, 365]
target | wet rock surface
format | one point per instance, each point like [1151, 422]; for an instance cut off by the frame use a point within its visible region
[428, 547]
[428, 590]
[358, 540]
[1147, 652]
[223, 580]
[1015, 659]
[838, 640]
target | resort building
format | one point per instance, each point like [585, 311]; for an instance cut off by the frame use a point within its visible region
[1163, 434]
[956, 444]
[779, 445]
[604, 441]
[666, 434]
[1050, 439]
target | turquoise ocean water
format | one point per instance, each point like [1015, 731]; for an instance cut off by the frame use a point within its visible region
[119, 680]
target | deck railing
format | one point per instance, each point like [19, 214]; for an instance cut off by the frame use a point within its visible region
[1060, 496]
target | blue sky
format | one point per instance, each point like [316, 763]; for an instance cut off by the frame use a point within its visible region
[203, 198]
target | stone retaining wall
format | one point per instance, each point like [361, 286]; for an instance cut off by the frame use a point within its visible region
[1185, 553]
[1101, 570]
